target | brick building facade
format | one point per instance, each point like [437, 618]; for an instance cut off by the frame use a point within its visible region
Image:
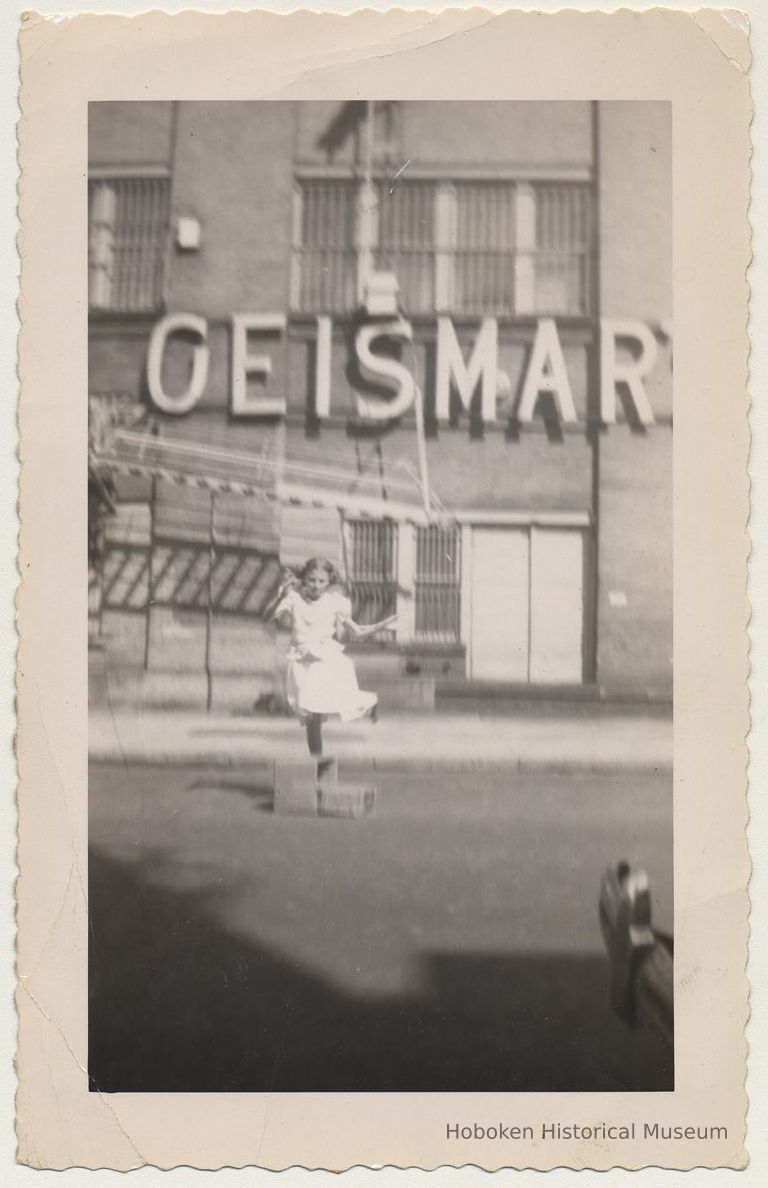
[531, 246]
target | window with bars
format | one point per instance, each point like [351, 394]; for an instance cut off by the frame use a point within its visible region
[372, 569]
[438, 585]
[327, 257]
[562, 249]
[128, 223]
[406, 241]
[433, 558]
[480, 247]
[484, 254]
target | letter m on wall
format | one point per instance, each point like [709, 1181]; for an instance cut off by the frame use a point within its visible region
[465, 376]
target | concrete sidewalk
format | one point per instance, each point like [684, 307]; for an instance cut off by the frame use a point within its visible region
[401, 742]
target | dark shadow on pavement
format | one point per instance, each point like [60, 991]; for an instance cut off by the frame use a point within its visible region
[262, 795]
[178, 1003]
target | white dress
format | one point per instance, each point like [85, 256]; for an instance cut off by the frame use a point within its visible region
[321, 678]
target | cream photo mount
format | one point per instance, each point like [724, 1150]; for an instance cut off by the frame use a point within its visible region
[696, 63]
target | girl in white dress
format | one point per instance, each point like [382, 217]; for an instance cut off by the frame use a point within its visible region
[321, 678]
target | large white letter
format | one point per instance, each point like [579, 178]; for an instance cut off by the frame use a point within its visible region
[380, 368]
[546, 373]
[323, 367]
[185, 400]
[244, 365]
[451, 365]
[629, 371]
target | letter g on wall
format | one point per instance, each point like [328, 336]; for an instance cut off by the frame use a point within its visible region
[191, 324]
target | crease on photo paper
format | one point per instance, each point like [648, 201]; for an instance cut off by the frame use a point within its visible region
[438, 27]
[729, 33]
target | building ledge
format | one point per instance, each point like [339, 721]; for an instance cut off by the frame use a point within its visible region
[588, 693]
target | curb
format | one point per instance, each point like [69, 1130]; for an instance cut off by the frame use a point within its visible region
[421, 766]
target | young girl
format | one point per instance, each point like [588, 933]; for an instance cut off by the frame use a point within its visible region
[321, 678]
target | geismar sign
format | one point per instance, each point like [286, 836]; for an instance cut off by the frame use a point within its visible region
[463, 373]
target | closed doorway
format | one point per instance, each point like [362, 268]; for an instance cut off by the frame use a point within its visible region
[527, 593]
[500, 564]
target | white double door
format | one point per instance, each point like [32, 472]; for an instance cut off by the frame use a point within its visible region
[527, 604]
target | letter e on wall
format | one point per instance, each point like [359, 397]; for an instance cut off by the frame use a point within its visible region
[245, 365]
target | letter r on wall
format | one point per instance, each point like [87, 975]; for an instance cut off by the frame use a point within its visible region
[628, 371]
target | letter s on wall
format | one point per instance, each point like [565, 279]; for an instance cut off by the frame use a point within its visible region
[380, 368]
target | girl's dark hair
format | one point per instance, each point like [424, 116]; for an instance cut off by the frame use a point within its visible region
[334, 577]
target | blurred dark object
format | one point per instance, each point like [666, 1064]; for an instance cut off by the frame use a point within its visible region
[641, 958]
[271, 703]
[101, 504]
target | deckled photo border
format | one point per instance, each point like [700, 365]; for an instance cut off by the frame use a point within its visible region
[698, 62]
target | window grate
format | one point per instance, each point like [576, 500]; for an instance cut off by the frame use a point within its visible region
[406, 241]
[327, 256]
[492, 253]
[372, 562]
[563, 249]
[128, 235]
[438, 585]
[484, 269]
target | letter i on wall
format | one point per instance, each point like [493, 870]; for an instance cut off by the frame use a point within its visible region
[323, 344]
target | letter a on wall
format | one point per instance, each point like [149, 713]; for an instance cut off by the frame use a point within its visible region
[547, 373]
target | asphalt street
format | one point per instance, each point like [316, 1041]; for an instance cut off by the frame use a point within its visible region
[448, 941]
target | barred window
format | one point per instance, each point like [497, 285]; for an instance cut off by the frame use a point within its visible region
[372, 567]
[430, 612]
[438, 584]
[480, 247]
[406, 241]
[327, 254]
[127, 243]
[484, 262]
[563, 249]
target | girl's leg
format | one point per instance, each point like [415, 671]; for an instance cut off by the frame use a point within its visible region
[314, 734]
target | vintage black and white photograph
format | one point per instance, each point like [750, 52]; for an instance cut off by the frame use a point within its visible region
[380, 596]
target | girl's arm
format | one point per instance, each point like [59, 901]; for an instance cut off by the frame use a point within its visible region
[358, 631]
[273, 609]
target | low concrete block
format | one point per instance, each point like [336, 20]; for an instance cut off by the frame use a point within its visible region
[297, 799]
[346, 800]
[288, 771]
[299, 782]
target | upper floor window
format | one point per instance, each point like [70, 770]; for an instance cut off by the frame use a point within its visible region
[128, 222]
[562, 249]
[328, 259]
[484, 248]
[404, 234]
[468, 247]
